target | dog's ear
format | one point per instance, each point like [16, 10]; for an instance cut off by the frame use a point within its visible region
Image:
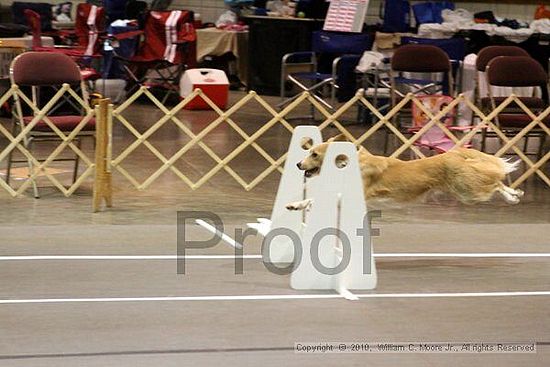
[339, 137]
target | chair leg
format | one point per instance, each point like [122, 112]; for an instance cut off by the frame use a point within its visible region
[282, 83]
[8, 168]
[483, 139]
[386, 141]
[313, 89]
[287, 101]
[28, 144]
[333, 87]
[10, 155]
[169, 77]
[133, 83]
[541, 145]
[169, 91]
[76, 160]
[312, 108]
[165, 98]
[526, 143]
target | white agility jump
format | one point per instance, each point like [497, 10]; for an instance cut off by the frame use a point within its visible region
[327, 261]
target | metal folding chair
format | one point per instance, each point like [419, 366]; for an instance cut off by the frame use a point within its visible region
[518, 71]
[421, 70]
[27, 70]
[455, 48]
[321, 68]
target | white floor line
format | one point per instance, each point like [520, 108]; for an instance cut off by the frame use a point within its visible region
[123, 257]
[273, 297]
[218, 257]
[466, 254]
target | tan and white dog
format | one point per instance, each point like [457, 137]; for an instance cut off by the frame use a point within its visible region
[467, 174]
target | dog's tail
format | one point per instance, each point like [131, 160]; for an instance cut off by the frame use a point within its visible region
[508, 166]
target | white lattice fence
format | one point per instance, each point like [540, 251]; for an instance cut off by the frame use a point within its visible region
[17, 143]
[329, 118]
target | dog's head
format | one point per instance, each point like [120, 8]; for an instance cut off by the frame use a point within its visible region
[311, 165]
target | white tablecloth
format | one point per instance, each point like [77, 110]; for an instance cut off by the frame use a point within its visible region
[217, 42]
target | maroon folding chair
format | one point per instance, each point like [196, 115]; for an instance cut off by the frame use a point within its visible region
[27, 70]
[518, 71]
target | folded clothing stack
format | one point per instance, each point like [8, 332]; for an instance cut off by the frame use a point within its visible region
[461, 19]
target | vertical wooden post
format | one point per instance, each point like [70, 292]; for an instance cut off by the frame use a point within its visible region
[102, 178]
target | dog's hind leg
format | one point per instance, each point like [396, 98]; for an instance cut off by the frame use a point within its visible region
[511, 196]
[515, 192]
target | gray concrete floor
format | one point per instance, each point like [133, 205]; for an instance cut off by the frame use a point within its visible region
[254, 332]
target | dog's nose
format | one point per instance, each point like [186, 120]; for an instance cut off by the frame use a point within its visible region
[299, 165]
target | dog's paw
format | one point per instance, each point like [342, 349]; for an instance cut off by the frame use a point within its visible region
[512, 199]
[511, 196]
[299, 205]
[291, 206]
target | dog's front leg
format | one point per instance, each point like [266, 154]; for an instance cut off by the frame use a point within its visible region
[300, 205]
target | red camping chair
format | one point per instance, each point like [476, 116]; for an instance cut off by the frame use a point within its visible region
[89, 26]
[167, 48]
[86, 31]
